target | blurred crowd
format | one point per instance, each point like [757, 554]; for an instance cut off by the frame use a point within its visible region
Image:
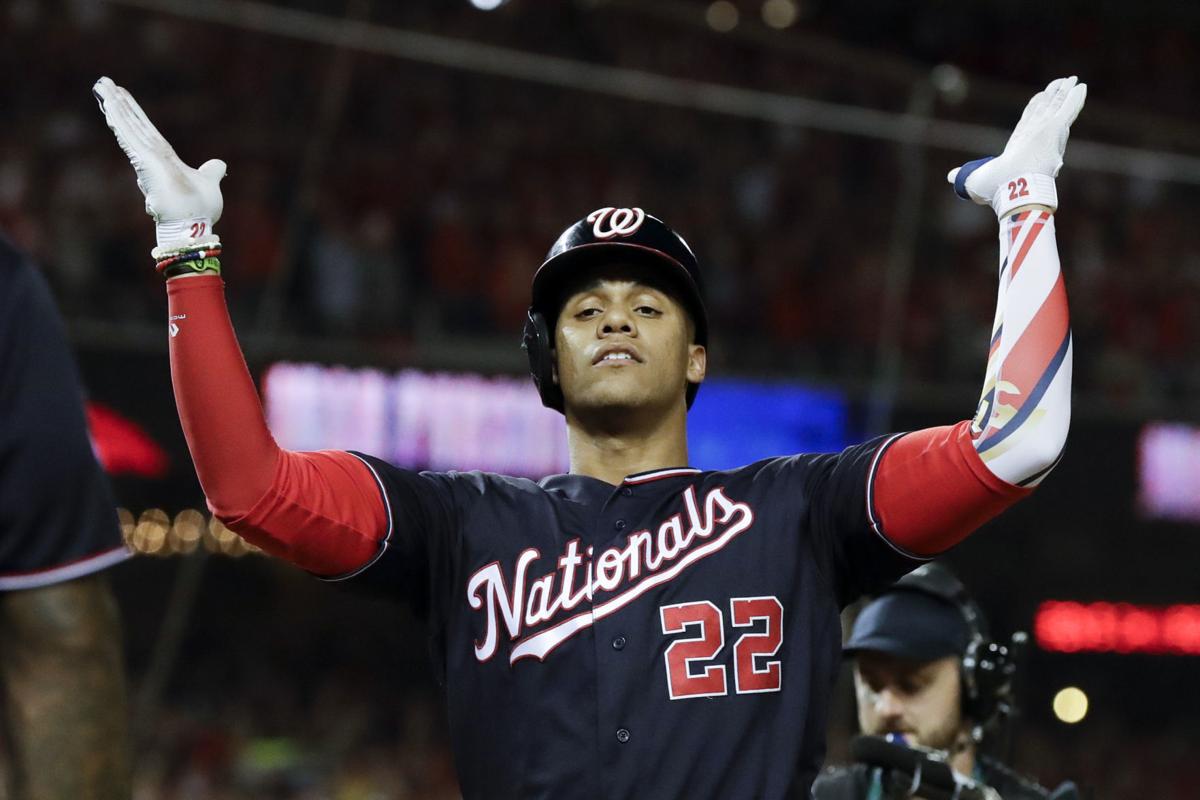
[337, 741]
[282, 688]
[1107, 762]
[410, 202]
[273, 741]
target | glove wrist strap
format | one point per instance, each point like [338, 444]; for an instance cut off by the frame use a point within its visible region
[181, 234]
[1027, 188]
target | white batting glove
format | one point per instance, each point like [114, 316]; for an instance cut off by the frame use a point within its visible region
[1024, 173]
[184, 202]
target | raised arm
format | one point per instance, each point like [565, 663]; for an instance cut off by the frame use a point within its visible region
[321, 511]
[935, 486]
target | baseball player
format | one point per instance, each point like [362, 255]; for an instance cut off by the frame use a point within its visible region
[61, 668]
[638, 627]
[927, 669]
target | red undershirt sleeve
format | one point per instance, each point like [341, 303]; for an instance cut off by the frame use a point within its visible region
[932, 489]
[321, 511]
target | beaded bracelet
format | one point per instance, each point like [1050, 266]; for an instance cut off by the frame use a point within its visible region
[190, 261]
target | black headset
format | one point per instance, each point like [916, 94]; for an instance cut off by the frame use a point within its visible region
[988, 667]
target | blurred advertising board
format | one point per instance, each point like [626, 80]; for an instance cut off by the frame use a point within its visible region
[439, 421]
[1169, 471]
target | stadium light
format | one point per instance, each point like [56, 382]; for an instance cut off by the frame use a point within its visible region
[488, 5]
[951, 82]
[721, 16]
[780, 14]
[1070, 705]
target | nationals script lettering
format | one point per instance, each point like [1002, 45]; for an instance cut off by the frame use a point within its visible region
[649, 558]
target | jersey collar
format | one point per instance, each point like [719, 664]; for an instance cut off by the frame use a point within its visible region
[658, 474]
[581, 488]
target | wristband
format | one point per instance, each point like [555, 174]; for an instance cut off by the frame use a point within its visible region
[198, 266]
[189, 260]
[1028, 188]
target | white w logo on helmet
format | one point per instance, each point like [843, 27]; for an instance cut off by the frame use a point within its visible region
[610, 222]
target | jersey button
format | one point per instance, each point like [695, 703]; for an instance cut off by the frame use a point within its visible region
[622, 735]
[627, 492]
[619, 525]
[619, 643]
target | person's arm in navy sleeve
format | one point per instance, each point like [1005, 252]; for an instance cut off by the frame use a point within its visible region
[61, 667]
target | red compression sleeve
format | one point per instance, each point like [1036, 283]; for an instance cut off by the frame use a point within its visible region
[932, 490]
[321, 511]
[222, 418]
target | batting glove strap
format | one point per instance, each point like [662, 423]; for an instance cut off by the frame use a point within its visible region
[179, 235]
[1022, 190]
[1027, 188]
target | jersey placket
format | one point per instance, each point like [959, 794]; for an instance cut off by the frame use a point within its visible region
[618, 653]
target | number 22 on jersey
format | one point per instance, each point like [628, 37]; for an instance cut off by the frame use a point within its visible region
[688, 676]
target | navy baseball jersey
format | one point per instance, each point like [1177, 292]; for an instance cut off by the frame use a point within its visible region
[675, 636]
[58, 519]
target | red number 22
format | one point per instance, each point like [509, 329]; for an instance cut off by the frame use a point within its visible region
[1018, 188]
[750, 675]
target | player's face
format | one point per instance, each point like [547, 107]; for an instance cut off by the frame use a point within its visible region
[625, 344]
[916, 698]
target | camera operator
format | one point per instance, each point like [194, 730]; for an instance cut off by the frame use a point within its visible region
[930, 685]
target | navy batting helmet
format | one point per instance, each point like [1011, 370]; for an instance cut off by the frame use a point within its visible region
[606, 236]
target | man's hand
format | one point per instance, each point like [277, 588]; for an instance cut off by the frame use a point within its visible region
[1024, 173]
[184, 202]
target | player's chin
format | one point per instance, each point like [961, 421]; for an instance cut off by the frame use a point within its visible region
[615, 393]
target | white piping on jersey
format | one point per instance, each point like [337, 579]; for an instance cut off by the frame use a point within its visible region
[672, 472]
[383, 546]
[66, 572]
[876, 526]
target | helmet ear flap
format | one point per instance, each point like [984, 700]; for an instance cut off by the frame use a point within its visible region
[539, 348]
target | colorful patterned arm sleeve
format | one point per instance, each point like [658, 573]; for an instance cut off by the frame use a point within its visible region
[1021, 424]
[933, 487]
